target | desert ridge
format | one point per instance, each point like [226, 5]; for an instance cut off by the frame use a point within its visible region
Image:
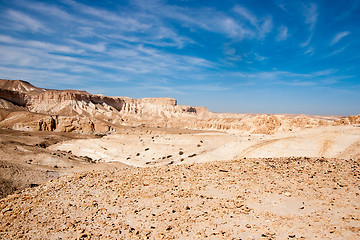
[84, 166]
[79, 111]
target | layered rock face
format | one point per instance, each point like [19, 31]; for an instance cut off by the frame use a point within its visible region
[79, 111]
[72, 102]
[72, 110]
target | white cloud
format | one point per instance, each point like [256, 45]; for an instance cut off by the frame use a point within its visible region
[262, 25]
[125, 23]
[325, 72]
[311, 15]
[307, 42]
[337, 51]
[47, 9]
[339, 36]
[98, 47]
[229, 51]
[282, 6]
[137, 27]
[259, 57]
[23, 22]
[231, 28]
[209, 19]
[310, 51]
[283, 33]
[245, 13]
[323, 77]
[49, 47]
[266, 27]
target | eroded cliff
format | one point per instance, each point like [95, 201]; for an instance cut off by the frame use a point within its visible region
[32, 108]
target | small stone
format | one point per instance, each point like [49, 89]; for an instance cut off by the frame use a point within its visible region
[248, 226]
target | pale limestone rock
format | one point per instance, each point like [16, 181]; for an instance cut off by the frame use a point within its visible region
[74, 106]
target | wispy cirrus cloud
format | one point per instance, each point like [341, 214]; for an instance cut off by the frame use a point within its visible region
[339, 36]
[49, 47]
[121, 21]
[311, 15]
[282, 33]
[22, 22]
[209, 19]
[262, 25]
[318, 78]
[310, 51]
[123, 60]
[246, 14]
[307, 42]
[336, 52]
[110, 25]
[47, 9]
[95, 47]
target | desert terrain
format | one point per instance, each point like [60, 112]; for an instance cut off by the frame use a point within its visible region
[82, 166]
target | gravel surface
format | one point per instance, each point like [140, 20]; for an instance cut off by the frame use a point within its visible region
[282, 198]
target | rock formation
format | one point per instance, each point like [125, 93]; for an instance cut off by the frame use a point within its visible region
[79, 111]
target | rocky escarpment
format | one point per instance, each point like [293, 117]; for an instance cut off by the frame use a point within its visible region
[79, 111]
[73, 102]
[73, 110]
[28, 121]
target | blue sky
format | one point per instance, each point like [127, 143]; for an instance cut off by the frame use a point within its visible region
[244, 56]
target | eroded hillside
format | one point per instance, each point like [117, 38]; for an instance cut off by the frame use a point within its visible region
[79, 111]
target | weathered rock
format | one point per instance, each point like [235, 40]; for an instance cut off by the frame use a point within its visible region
[150, 112]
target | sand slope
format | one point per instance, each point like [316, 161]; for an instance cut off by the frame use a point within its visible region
[156, 148]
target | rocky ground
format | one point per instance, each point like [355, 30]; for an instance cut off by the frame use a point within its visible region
[27, 161]
[282, 198]
[163, 183]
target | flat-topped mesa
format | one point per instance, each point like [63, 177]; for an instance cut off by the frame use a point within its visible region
[74, 102]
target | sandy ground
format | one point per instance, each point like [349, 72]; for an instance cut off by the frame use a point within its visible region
[154, 148]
